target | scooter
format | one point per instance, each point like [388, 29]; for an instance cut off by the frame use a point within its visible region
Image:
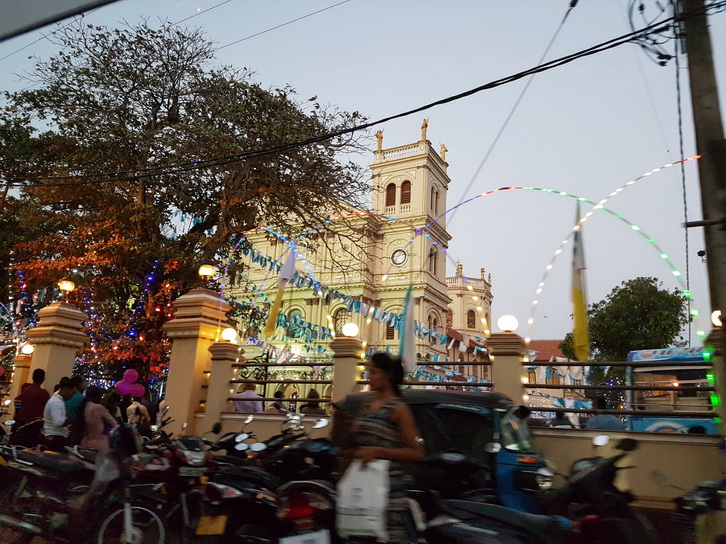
[701, 513]
[591, 498]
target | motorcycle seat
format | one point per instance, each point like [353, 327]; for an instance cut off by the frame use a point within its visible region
[53, 461]
[548, 528]
[249, 474]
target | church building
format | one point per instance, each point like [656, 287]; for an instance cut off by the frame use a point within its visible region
[360, 272]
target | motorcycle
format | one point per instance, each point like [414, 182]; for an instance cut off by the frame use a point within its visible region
[61, 500]
[591, 497]
[198, 497]
[701, 513]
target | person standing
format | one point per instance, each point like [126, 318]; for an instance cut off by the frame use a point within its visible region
[73, 404]
[246, 406]
[313, 406]
[55, 422]
[30, 417]
[386, 429]
[604, 422]
[95, 421]
[138, 415]
[277, 407]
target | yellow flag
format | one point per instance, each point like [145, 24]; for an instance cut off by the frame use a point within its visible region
[580, 332]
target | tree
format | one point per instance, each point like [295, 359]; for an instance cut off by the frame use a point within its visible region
[639, 314]
[115, 196]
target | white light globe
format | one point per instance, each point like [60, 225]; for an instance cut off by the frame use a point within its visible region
[350, 330]
[508, 323]
[27, 349]
[229, 334]
[716, 318]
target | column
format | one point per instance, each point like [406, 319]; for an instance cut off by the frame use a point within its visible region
[506, 351]
[347, 353]
[56, 340]
[21, 373]
[224, 356]
[198, 319]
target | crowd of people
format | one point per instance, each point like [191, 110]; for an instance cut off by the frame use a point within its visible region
[247, 401]
[75, 414]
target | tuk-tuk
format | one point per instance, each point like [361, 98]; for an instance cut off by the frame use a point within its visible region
[487, 428]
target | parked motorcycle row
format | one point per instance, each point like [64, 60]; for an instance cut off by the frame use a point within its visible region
[486, 487]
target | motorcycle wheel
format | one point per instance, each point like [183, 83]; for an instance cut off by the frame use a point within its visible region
[147, 528]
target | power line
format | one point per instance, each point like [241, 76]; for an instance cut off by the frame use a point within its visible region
[135, 175]
[281, 25]
[511, 113]
[197, 14]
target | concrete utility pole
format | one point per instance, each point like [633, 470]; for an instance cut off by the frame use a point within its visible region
[712, 166]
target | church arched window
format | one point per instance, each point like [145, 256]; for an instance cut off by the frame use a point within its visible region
[340, 318]
[391, 195]
[471, 319]
[406, 192]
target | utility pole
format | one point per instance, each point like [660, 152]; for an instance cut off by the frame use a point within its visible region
[711, 167]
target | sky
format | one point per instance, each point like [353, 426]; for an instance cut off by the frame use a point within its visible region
[585, 128]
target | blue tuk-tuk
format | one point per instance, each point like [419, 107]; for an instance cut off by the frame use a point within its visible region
[486, 427]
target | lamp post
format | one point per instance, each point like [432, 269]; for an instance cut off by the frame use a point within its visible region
[206, 272]
[66, 287]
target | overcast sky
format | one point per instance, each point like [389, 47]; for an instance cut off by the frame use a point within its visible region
[585, 128]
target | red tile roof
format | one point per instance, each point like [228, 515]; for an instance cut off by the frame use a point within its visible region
[546, 348]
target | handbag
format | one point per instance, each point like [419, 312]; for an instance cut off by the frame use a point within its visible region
[362, 502]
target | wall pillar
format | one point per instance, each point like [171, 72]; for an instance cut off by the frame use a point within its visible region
[21, 374]
[56, 340]
[715, 342]
[224, 356]
[346, 352]
[198, 319]
[506, 351]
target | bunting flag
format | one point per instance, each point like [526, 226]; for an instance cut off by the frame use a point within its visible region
[287, 272]
[580, 333]
[407, 347]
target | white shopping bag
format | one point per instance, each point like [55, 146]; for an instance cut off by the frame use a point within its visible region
[362, 501]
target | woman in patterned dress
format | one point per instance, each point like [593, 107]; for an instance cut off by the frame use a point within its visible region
[386, 429]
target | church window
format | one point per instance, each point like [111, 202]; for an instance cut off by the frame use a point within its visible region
[391, 195]
[340, 318]
[471, 319]
[433, 204]
[436, 202]
[294, 329]
[406, 192]
[390, 333]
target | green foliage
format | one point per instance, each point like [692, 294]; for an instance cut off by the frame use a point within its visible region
[91, 147]
[638, 314]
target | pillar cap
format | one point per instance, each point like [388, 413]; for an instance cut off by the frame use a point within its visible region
[344, 346]
[506, 343]
[226, 351]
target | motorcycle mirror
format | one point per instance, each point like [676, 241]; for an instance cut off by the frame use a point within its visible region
[217, 428]
[241, 437]
[242, 446]
[600, 440]
[249, 419]
[493, 447]
[258, 446]
[321, 423]
[628, 444]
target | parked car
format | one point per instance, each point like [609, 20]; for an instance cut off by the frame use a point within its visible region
[487, 428]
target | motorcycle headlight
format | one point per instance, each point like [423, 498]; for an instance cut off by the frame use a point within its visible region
[217, 492]
[533, 481]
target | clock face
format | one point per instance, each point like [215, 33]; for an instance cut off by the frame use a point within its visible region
[399, 257]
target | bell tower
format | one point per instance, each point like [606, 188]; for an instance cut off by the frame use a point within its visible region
[410, 183]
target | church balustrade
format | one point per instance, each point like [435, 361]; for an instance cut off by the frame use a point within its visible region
[403, 151]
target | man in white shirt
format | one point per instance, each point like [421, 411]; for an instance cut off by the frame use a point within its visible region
[248, 406]
[55, 423]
